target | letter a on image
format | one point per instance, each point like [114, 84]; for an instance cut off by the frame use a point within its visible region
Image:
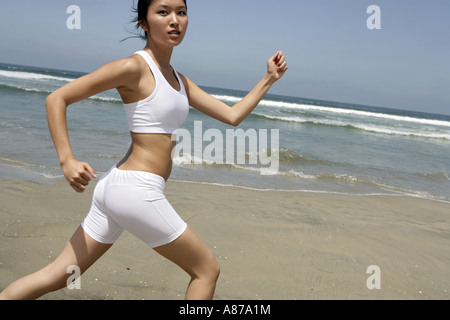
[374, 21]
[74, 21]
[374, 281]
[74, 281]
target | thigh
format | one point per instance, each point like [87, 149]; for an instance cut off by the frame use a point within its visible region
[81, 251]
[189, 252]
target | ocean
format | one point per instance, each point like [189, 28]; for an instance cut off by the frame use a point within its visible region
[305, 144]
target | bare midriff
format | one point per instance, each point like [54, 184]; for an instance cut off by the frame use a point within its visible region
[149, 152]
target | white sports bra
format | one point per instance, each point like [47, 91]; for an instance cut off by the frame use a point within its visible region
[164, 111]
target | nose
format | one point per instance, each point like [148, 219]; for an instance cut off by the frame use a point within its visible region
[174, 20]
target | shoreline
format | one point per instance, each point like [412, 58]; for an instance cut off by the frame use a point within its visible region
[319, 192]
[271, 245]
[11, 173]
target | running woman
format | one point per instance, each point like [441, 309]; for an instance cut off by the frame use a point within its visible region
[130, 195]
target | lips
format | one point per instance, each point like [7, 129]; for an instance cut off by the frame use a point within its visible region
[175, 32]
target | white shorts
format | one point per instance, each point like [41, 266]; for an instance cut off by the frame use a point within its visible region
[132, 201]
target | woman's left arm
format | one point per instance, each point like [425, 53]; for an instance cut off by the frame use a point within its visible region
[202, 101]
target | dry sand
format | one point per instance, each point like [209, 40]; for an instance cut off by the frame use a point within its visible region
[271, 245]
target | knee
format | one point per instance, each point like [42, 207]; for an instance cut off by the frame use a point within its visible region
[209, 271]
[213, 270]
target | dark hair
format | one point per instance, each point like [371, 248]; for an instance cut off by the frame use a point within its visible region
[142, 10]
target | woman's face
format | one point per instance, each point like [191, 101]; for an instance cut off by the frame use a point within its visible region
[167, 22]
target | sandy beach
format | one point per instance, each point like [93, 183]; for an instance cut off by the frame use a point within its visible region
[271, 245]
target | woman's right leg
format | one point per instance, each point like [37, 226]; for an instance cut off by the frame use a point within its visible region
[193, 256]
[81, 251]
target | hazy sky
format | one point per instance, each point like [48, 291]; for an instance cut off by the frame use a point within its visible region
[331, 52]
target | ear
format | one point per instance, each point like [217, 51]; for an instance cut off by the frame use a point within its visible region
[144, 25]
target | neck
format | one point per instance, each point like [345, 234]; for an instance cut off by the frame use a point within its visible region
[162, 55]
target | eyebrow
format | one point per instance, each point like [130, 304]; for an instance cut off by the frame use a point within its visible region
[167, 7]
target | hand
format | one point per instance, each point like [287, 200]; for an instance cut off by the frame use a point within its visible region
[277, 66]
[78, 174]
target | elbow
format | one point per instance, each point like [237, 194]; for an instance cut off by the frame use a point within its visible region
[233, 123]
[53, 100]
[234, 120]
[236, 123]
[55, 106]
[50, 100]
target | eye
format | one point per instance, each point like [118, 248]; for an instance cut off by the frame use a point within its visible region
[182, 13]
[162, 12]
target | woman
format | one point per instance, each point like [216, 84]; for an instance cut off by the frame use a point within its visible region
[130, 195]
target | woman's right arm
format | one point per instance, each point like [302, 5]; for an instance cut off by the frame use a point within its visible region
[119, 74]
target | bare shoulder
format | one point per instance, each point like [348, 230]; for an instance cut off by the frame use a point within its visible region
[133, 64]
[122, 73]
[126, 67]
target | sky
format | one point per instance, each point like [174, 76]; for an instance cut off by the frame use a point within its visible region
[331, 52]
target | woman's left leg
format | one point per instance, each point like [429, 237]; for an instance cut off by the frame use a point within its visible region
[81, 251]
